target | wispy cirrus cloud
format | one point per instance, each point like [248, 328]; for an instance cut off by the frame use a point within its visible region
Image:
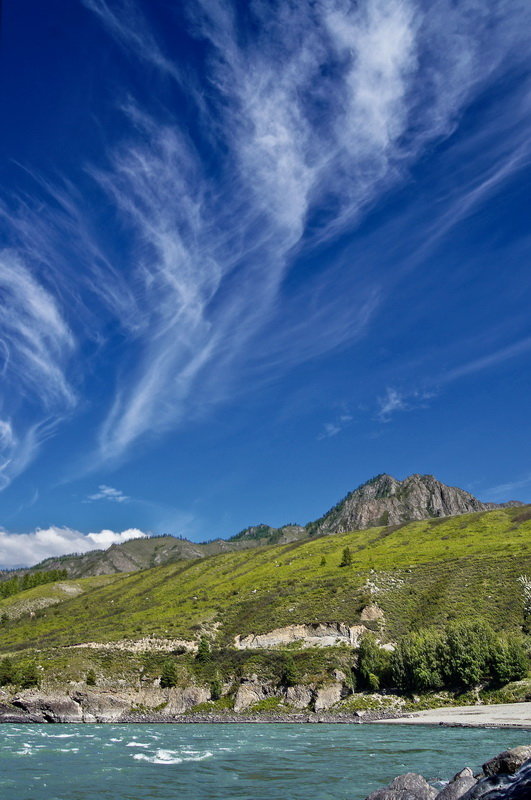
[36, 346]
[28, 549]
[126, 23]
[507, 490]
[394, 400]
[309, 120]
[336, 426]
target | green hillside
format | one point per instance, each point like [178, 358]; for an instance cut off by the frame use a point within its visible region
[419, 574]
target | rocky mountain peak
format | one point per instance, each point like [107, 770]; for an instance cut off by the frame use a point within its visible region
[384, 500]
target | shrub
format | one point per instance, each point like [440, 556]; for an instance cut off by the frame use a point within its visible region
[508, 661]
[90, 679]
[27, 675]
[7, 671]
[416, 662]
[168, 676]
[289, 673]
[215, 689]
[467, 653]
[373, 669]
[346, 559]
[203, 654]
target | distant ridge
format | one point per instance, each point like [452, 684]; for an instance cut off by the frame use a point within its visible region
[383, 500]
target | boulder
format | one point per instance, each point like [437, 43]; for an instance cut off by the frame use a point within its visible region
[405, 787]
[392, 794]
[466, 772]
[503, 787]
[415, 784]
[457, 788]
[508, 762]
[299, 696]
[327, 696]
[247, 695]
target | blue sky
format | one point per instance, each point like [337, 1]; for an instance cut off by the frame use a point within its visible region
[254, 253]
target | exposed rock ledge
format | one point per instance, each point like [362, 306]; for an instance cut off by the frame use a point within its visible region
[313, 635]
[142, 645]
[99, 705]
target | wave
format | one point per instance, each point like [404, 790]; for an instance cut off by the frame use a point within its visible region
[171, 757]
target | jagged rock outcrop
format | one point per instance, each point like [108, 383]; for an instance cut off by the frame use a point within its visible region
[313, 635]
[384, 500]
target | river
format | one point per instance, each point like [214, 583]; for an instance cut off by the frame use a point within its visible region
[224, 762]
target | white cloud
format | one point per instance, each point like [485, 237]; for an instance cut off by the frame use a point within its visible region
[125, 22]
[28, 549]
[395, 400]
[108, 493]
[36, 341]
[310, 119]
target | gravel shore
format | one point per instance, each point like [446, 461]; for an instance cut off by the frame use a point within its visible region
[506, 715]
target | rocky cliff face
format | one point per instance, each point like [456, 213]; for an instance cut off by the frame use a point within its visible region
[384, 500]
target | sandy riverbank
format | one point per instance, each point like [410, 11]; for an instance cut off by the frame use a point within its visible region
[507, 715]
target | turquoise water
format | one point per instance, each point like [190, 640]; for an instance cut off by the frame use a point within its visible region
[224, 762]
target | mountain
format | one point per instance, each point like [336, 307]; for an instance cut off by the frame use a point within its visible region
[260, 611]
[132, 556]
[384, 500]
[419, 574]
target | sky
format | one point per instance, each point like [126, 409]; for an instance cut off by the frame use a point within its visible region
[253, 254]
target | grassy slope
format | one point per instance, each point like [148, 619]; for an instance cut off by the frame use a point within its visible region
[424, 572]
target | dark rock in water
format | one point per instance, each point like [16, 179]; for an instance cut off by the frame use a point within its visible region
[406, 787]
[503, 787]
[457, 788]
[466, 772]
[508, 778]
[393, 794]
[509, 761]
[414, 783]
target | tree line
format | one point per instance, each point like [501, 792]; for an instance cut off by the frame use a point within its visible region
[30, 580]
[460, 656]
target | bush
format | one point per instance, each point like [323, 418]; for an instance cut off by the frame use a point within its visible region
[416, 662]
[203, 654]
[346, 559]
[289, 673]
[467, 653]
[7, 672]
[168, 676]
[90, 679]
[27, 675]
[215, 689]
[509, 661]
[373, 669]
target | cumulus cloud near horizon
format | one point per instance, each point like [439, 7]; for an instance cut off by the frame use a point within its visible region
[28, 549]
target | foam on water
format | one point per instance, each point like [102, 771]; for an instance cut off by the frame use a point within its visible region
[172, 756]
